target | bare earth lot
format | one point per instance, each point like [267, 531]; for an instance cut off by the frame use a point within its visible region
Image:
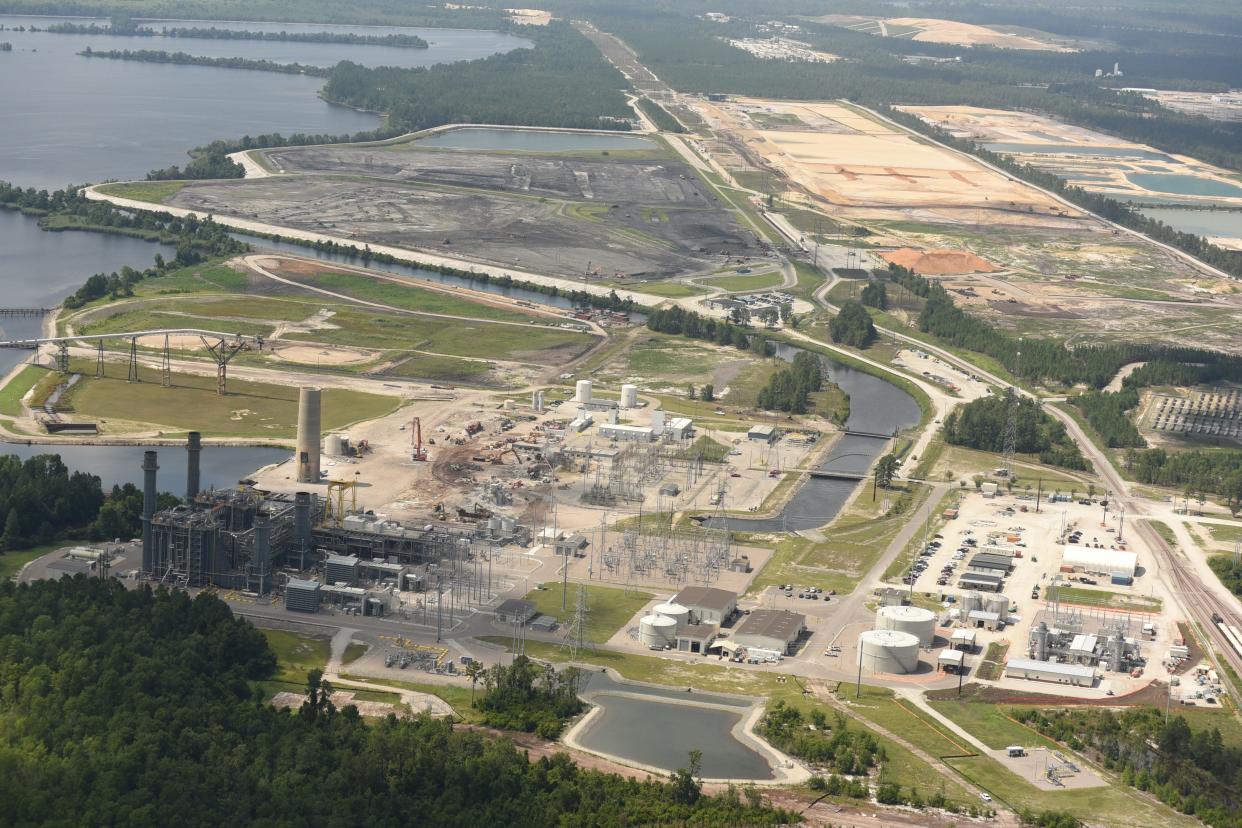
[574, 214]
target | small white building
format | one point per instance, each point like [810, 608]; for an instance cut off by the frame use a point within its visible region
[679, 428]
[761, 433]
[623, 433]
[951, 661]
[1075, 674]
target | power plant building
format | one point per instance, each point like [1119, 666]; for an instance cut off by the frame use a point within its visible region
[777, 630]
[707, 605]
[1075, 674]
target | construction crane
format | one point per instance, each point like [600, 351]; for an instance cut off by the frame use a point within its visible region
[418, 454]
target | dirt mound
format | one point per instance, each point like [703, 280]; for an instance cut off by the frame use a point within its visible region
[939, 262]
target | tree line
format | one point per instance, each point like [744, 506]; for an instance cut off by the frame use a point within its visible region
[790, 389]
[1196, 472]
[981, 424]
[530, 697]
[186, 59]
[678, 320]
[1192, 771]
[126, 706]
[406, 41]
[852, 326]
[659, 116]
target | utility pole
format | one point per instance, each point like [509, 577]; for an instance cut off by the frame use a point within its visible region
[1039, 491]
[961, 675]
[1011, 421]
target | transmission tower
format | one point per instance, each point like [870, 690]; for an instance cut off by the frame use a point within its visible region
[1011, 418]
[575, 636]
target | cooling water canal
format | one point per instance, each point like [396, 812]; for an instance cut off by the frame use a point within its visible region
[659, 726]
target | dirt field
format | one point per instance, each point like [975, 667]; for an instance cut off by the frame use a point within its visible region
[934, 30]
[939, 262]
[1092, 160]
[576, 214]
[320, 355]
[849, 160]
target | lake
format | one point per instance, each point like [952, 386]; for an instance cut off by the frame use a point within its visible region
[532, 140]
[220, 466]
[1180, 184]
[1227, 223]
[1073, 149]
[75, 120]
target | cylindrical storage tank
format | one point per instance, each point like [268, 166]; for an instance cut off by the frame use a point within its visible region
[583, 393]
[970, 602]
[998, 604]
[657, 422]
[629, 396]
[657, 631]
[674, 611]
[334, 445]
[508, 405]
[919, 622]
[889, 651]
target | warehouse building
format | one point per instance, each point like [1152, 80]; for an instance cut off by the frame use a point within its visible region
[707, 605]
[1112, 562]
[761, 433]
[991, 564]
[776, 630]
[696, 638]
[981, 581]
[1075, 674]
[515, 611]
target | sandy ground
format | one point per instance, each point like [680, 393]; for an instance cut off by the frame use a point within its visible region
[967, 34]
[320, 355]
[939, 262]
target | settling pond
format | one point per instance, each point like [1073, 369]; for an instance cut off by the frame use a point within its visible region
[532, 140]
[659, 726]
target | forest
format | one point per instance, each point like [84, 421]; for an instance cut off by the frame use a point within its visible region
[980, 424]
[530, 697]
[677, 320]
[144, 707]
[1198, 472]
[659, 116]
[1229, 572]
[563, 82]
[126, 28]
[1108, 412]
[186, 59]
[852, 326]
[790, 389]
[1193, 771]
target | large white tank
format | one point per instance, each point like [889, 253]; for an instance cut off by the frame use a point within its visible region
[629, 396]
[889, 651]
[583, 392]
[675, 611]
[657, 631]
[970, 602]
[998, 604]
[657, 422]
[334, 445]
[919, 622]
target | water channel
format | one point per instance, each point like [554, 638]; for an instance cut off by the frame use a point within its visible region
[659, 726]
[876, 407]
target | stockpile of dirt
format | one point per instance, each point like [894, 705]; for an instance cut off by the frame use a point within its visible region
[939, 262]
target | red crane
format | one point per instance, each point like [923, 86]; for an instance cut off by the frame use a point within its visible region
[419, 454]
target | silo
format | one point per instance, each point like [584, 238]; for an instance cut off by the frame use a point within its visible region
[657, 632]
[889, 651]
[657, 422]
[998, 604]
[583, 392]
[674, 611]
[308, 435]
[970, 602]
[334, 445]
[919, 622]
[629, 396]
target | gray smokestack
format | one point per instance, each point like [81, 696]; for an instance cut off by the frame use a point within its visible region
[302, 517]
[149, 468]
[262, 550]
[194, 448]
[308, 435]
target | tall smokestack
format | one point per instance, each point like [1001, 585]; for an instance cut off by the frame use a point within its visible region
[149, 468]
[308, 435]
[262, 551]
[194, 448]
[302, 523]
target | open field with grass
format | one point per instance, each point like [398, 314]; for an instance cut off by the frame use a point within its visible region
[990, 724]
[960, 463]
[1109, 600]
[457, 697]
[665, 290]
[14, 560]
[746, 281]
[1224, 534]
[354, 651]
[610, 609]
[250, 409]
[11, 395]
[296, 655]
[156, 192]
[441, 368]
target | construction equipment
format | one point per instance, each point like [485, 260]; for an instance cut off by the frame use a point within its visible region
[418, 454]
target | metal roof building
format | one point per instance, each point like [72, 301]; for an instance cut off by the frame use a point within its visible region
[515, 610]
[984, 562]
[981, 581]
[302, 595]
[1075, 674]
[1108, 561]
[777, 630]
[707, 605]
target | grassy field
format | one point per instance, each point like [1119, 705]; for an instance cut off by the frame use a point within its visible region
[441, 368]
[296, 655]
[1165, 532]
[609, 609]
[250, 409]
[993, 664]
[408, 295]
[455, 696]
[960, 463]
[990, 724]
[1224, 534]
[11, 562]
[11, 395]
[1110, 600]
[666, 290]
[156, 192]
[210, 277]
[354, 651]
[747, 281]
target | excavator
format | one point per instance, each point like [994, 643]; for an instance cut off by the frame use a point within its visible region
[418, 454]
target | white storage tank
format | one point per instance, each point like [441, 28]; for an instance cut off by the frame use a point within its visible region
[919, 622]
[970, 602]
[675, 611]
[657, 423]
[583, 392]
[889, 651]
[629, 396]
[334, 445]
[998, 604]
[657, 631]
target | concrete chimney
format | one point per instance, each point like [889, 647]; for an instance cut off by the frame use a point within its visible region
[194, 448]
[149, 468]
[308, 435]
